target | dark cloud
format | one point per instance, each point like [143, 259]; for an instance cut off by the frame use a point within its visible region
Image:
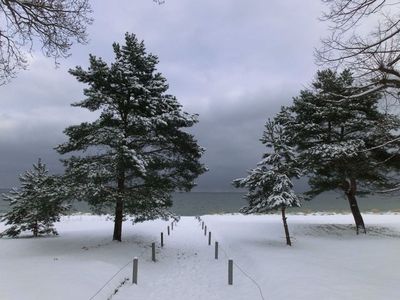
[234, 63]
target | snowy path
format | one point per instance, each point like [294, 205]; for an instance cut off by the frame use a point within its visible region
[186, 269]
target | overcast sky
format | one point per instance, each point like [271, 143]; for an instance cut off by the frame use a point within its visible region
[232, 62]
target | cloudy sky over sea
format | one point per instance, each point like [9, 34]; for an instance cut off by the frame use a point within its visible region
[232, 62]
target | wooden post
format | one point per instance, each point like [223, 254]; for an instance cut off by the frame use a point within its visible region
[216, 250]
[135, 271]
[205, 230]
[153, 252]
[172, 225]
[162, 239]
[209, 238]
[168, 230]
[230, 271]
[202, 225]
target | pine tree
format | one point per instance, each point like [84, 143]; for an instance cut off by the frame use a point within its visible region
[137, 151]
[269, 184]
[344, 144]
[36, 205]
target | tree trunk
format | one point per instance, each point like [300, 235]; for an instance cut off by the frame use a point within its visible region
[119, 209]
[351, 196]
[35, 229]
[288, 242]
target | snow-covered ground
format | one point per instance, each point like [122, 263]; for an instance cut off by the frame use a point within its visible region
[327, 260]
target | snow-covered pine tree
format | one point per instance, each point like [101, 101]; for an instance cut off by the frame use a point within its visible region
[137, 152]
[345, 144]
[36, 205]
[269, 184]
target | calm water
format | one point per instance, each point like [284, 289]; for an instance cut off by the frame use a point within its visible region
[190, 204]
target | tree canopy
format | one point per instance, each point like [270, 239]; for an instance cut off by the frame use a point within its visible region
[344, 144]
[54, 24]
[138, 150]
[36, 205]
[365, 37]
[269, 185]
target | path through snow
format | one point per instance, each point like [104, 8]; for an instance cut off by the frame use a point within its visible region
[186, 269]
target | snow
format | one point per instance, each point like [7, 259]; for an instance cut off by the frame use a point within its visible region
[339, 150]
[327, 259]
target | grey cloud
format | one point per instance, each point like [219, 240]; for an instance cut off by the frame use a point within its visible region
[233, 62]
[231, 135]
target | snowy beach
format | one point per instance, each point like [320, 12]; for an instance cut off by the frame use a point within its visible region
[327, 259]
[170, 150]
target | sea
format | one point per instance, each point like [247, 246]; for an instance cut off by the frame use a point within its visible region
[202, 203]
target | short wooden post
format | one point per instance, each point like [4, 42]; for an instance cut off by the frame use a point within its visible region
[168, 230]
[205, 230]
[135, 271]
[209, 238]
[162, 239]
[202, 225]
[172, 225]
[153, 252]
[216, 250]
[230, 271]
